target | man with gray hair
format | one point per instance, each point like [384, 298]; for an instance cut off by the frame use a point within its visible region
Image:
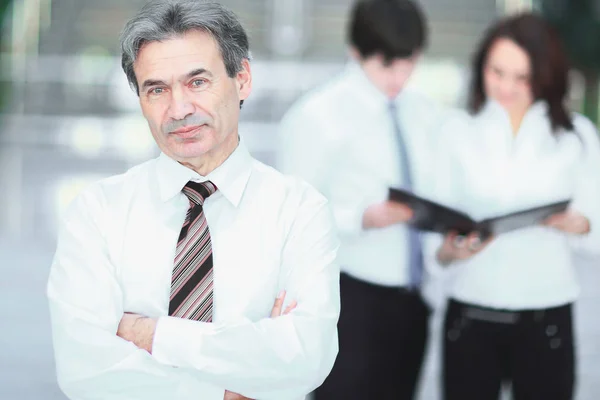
[201, 274]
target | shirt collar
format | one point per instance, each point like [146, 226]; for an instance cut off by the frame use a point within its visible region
[230, 177]
[367, 91]
[493, 108]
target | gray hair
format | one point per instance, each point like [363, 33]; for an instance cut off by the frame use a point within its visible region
[162, 20]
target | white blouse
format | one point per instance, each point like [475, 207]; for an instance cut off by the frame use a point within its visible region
[485, 171]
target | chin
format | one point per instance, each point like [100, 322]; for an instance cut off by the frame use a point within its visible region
[508, 104]
[190, 148]
[393, 93]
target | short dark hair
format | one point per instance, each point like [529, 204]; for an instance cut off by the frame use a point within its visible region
[392, 28]
[549, 64]
[167, 19]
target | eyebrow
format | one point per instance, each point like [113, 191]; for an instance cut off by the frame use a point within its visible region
[156, 82]
[152, 82]
[198, 71]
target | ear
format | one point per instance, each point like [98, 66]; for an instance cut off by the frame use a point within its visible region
[244, 80]
[417, 56]
[355, 54]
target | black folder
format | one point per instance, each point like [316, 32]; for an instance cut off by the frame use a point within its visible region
[434, 217]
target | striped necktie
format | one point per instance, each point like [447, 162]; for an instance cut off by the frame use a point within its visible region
[415, 256]
[192, 280]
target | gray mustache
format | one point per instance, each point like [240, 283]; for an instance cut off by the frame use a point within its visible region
[192, 120]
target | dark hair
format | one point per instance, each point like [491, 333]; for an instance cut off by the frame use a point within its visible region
[392, 28]
[166, 19]
[549, 64]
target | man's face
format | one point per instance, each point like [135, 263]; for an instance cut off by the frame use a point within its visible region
[389, 77]
[191, 105]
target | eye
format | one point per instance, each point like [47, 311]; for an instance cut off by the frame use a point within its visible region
[156, 91]
[198, 82]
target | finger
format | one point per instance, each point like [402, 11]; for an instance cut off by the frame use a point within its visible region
[408, 212]
[128, 318]
[474, 242]
[231, 396]
[463, 253]
[290, 307]
[554, 223]
[487, 241]
[550, 221]
[400, 210]
[459, 241]
[276, 311]
[449, 237]
[556, 219]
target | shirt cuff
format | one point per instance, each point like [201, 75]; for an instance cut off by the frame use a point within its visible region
[431, 242]
[176, 340]
[349, 219]
[588, 242]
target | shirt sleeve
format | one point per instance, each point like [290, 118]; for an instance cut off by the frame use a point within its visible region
[305, 143]
[86, 307]
[310, 148]
[586, 199]
[282, 358]
[447, 182]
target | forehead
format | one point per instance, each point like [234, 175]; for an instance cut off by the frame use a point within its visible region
[506, 54]
[176, 56]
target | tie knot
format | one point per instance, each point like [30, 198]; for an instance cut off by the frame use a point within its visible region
[198, 192]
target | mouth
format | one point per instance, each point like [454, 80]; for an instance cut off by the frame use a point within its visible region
[186, 131]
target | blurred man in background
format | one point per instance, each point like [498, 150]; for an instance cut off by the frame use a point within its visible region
[353, 138]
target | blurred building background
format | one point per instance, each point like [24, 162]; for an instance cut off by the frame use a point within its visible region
[70, 118]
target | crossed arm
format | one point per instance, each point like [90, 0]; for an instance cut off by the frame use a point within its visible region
[140, 329]
[272, 358]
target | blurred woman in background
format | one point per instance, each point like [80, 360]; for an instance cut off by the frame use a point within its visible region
[509, 317]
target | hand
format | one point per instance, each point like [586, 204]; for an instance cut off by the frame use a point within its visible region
[387, 213]
[278, 306]
[275, 312]
[137, 329]
[570, 222]
[234, 396]
[458, 247]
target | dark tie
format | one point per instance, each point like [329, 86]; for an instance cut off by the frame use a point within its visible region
[192, 280]
[415, 258]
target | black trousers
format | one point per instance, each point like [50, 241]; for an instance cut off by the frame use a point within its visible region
[484, 348]
[382, 332]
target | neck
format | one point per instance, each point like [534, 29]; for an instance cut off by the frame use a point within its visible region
[378, 86]
[515, 122]
[214, 158]
[516, 118]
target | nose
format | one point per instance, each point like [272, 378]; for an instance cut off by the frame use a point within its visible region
[507, 85]
[399, 73]
[181, 105]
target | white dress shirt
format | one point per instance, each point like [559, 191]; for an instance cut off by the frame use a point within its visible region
[341, 139]
[115, 254]
[487, 171]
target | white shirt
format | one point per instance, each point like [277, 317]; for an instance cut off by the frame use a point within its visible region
[489, 172]
[341, 139]
[115, 253]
